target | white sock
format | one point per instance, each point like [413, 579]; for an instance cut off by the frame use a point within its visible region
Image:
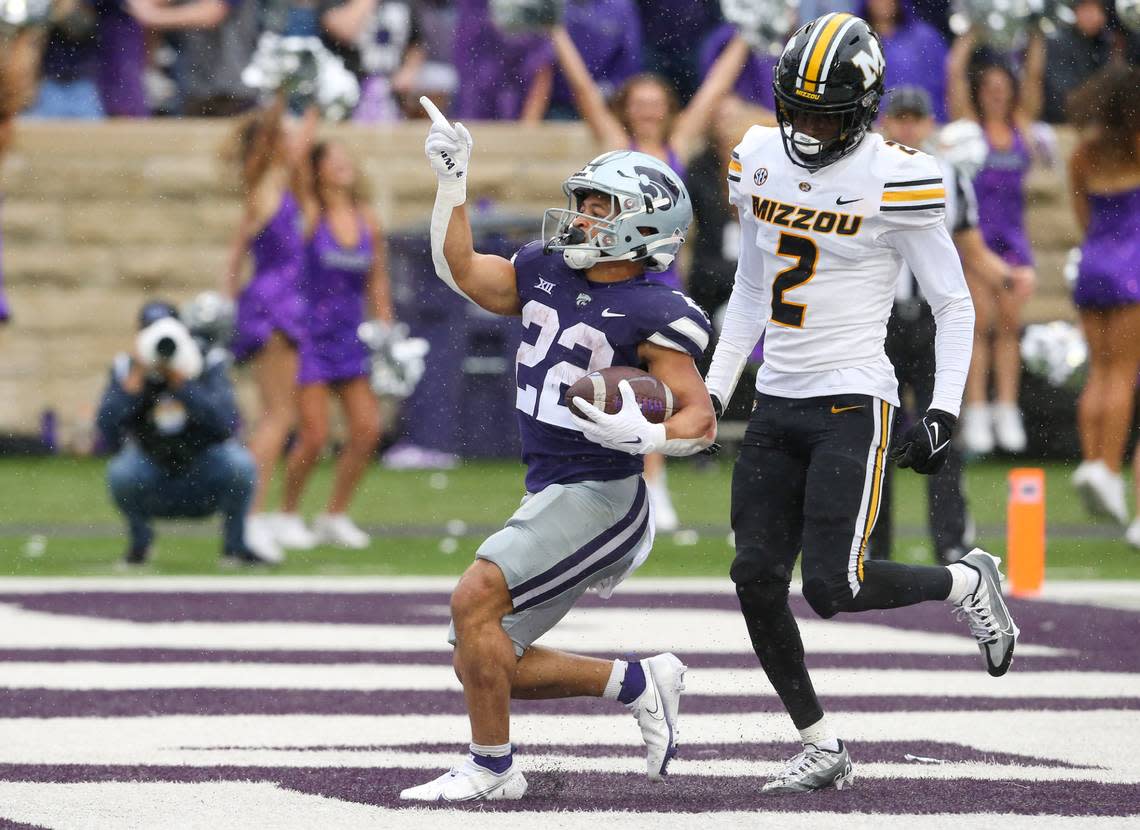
[820, 734]
[613, 685]
[963, 582]
[498, 751]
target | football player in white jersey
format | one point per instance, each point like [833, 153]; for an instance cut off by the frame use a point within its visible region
[829, 212]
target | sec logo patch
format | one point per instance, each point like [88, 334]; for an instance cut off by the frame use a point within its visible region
[760, 176]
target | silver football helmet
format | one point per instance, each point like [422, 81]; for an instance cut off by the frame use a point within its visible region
[650, 213]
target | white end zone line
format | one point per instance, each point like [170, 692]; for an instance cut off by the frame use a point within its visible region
[239, 806]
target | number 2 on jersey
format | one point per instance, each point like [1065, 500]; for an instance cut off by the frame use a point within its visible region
[805, 253]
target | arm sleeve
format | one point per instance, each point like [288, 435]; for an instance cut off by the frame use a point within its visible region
[744, 318]
[209, 401]
[117, 406]
[931, 256]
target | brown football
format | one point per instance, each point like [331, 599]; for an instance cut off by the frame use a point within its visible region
[601, 389]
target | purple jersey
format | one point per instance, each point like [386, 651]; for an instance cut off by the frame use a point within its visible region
[608, 34]
[1109, 273]
[271, 300]
[122, 62]
[572, 327]
[915, 54]
[754, 84]
[333, 290]
[496, 68]
[1001, 201]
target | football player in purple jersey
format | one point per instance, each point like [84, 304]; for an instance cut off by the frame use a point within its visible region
[586, 520]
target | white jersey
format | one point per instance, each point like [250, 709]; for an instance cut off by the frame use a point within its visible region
[819, 263]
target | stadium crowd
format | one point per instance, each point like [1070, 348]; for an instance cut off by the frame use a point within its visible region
[672, 78]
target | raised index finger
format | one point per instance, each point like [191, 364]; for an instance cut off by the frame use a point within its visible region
[437, 117]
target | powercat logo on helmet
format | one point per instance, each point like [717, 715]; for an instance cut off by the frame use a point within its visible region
[661, 191]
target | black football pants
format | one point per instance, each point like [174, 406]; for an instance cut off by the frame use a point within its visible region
[809, 478]
[910, 347]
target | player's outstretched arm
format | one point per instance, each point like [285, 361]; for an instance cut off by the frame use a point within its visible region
[488, 281]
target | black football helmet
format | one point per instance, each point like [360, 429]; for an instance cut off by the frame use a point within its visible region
[829, 77]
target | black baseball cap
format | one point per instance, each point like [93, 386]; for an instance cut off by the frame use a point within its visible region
[154, 311]
[910, 100]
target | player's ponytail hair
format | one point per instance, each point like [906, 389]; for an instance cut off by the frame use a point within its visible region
[1108, 106]
[252, 145]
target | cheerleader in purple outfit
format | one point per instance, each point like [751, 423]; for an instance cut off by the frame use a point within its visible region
[269, 309]
[1105, 182]
[345, 269]
[988, 92]
[645, 115]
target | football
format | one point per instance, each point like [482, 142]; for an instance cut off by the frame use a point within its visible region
[601, 389]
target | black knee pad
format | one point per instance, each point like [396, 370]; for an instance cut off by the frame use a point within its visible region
[762, 599]
[827, 596]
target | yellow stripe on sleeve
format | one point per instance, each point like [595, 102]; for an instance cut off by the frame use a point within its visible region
[914, 195]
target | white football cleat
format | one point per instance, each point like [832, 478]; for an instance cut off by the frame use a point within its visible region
[1009, 430]
[338, 529]
[656, 711]
[977, 429]
[664, 516]
[260, 540]
[291, 533]
[987, 614]
[1132, 535]
[471, 782]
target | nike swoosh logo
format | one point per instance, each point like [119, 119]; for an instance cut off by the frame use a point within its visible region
[656, 712]
[632, 443]
[607, 313]
[835, 410]
[839, 200]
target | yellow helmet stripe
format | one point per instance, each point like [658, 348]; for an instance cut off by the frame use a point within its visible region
[820, 49]
[914, 195]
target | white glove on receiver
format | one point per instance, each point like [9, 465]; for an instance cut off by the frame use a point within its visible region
[627, 430]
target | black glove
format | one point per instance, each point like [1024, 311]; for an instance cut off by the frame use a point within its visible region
[926, 445]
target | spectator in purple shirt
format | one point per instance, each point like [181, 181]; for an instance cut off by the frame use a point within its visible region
[122, 61]
[915, 51]
[755, 82]
[608, 34]
[501, 76]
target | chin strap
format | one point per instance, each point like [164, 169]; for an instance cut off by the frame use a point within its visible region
[448, 196]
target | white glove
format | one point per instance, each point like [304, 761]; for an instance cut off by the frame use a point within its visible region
[448, 148]
[627, 430]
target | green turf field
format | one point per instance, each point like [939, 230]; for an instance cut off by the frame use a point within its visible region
[57, 520]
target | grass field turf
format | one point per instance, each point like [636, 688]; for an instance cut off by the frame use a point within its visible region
[431, 522]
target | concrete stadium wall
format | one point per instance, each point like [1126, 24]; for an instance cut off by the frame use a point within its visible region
[97, 218]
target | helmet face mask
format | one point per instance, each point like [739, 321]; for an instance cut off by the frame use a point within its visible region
[828, 84]
[648, 214]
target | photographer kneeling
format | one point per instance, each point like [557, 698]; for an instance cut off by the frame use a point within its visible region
[178, 412]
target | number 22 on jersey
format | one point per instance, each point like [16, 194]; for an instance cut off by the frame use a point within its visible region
[805, 253]
[544, 400]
